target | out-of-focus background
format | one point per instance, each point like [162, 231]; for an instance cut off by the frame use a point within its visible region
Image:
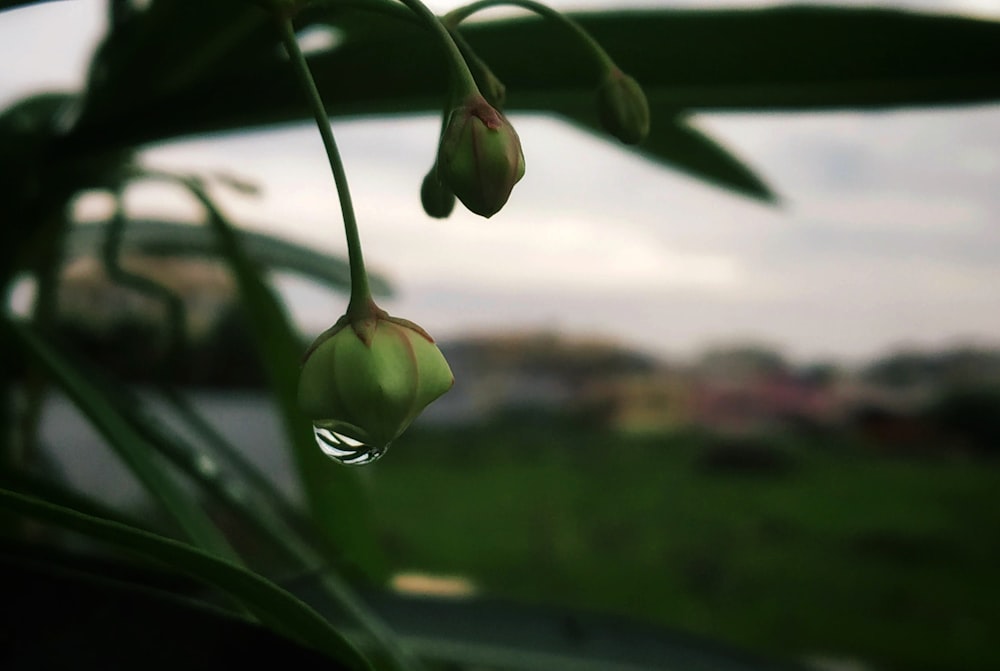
[884, 236]
[773, 426]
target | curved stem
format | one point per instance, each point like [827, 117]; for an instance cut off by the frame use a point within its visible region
[398, 658]
[489, 84]
[176, 312]
[461, 58]
[603, 61]
[463, 83]
[361, 295]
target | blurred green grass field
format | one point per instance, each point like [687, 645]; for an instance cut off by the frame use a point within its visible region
[816, 548]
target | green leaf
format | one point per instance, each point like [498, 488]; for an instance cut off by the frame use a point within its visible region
[266, 500]
[266, 251]
[273, 606]
[131, 448]
[170, 46]
[674, 142]
[778, 58]
[61, 494]
[138, 604]
[26, 131]
[763, 59]
[783, 58]
[270, 517]
[682, 146]
[334, 493]
[14, 4]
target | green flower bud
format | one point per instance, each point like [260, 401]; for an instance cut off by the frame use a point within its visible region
[480, 156]
[437, 199]
[362, 383]
[622, 107]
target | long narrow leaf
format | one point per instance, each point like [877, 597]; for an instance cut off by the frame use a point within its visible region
[675, 143]
[14, 4]
[62, 494]
[248, 473]
[267, 251]
[271, 520]
[781, 58]
[334, 493]
[272, 605]
[141, 54]
[25, 137]
[776, 58]
[133, 450]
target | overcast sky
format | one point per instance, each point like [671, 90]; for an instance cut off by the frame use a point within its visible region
[889, 232]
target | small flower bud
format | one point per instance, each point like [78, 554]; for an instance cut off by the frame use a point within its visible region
[366, 381]
[437, 199]
[480, 156]
[622, 106]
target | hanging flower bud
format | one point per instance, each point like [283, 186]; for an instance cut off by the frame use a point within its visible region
[480, 156]
[363, 382]
[622, 107]
[437, 199]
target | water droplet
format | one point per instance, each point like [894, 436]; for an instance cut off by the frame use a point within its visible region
[345, 449]
[206, 466]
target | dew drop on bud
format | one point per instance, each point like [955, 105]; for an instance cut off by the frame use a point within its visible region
[346, 450]
[364, 381]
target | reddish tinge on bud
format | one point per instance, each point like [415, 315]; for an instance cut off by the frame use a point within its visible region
[622, 106]
[480, 156]
[367, 380]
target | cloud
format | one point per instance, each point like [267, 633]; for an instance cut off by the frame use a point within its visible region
[888, 231]
[598, 241]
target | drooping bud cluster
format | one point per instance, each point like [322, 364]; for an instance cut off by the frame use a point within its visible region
[622, 107]
[364, 382]
[480, 158]
[369, 376]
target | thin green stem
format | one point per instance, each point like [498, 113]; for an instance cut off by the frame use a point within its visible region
[134, 451]
[602, 60]
[463, 84]
[176, 312]
[489, 84]
[361, 295]
[416, 12]
[255, 293]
